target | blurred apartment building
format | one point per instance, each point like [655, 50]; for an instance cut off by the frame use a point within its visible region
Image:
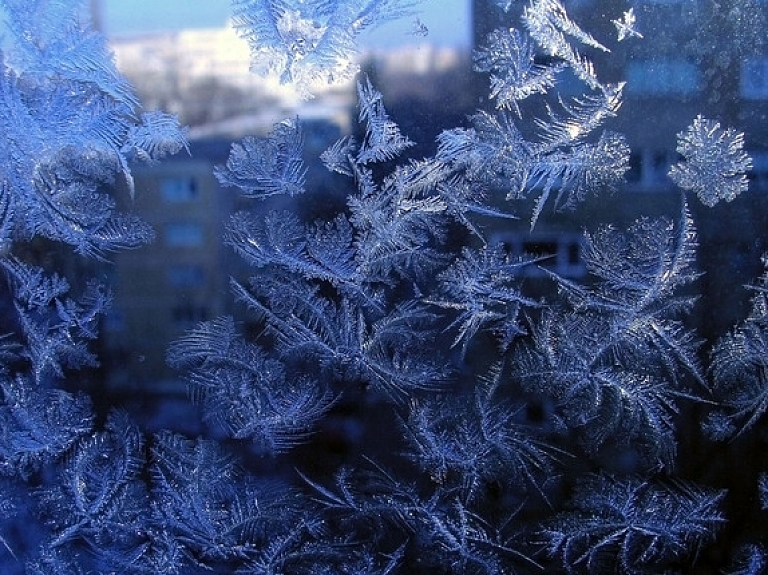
[164, 289]
[687, 64]
[695, 57]
[167, 287]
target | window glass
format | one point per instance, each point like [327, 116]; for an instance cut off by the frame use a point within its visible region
[482, 292]
[178, 189]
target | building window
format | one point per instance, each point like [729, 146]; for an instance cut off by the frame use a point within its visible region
[662, 161]
[184, 235]
[753, 81]
[662, 78]
[178, 189]
[557, 252]
[758, 175]
[649, 169]
[635, 173]
[186, 276]
[545, 249]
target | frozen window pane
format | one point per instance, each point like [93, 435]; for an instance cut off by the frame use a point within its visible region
[178, 189]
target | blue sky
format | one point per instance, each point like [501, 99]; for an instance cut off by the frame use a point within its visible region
[448, 21]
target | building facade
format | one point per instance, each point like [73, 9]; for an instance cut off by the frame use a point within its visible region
[167, 287]
[694, 58]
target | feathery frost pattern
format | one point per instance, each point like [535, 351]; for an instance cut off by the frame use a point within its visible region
[244, 391]
[383, 140]
[99, 498]
[739, 364]
[625, 26]
[509, 57]
[494, 153]
[550, 26]
[498, 416]
[465, 448]
[39, 426]
[616, 357]
[714, 164]
[54, 330]
[751, 559]
[266, 167]
[635, 525]
[69, 130]
[310, 42]
[484, 289]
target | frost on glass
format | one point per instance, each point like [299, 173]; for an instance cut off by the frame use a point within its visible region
[69, 130]
[550, 27]
[625, 26]
[510, 58]
[632, 525]
[264, 167]
[616, 356]
[310, 42]
[714, 164]
[739, 364]
[497, 426]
